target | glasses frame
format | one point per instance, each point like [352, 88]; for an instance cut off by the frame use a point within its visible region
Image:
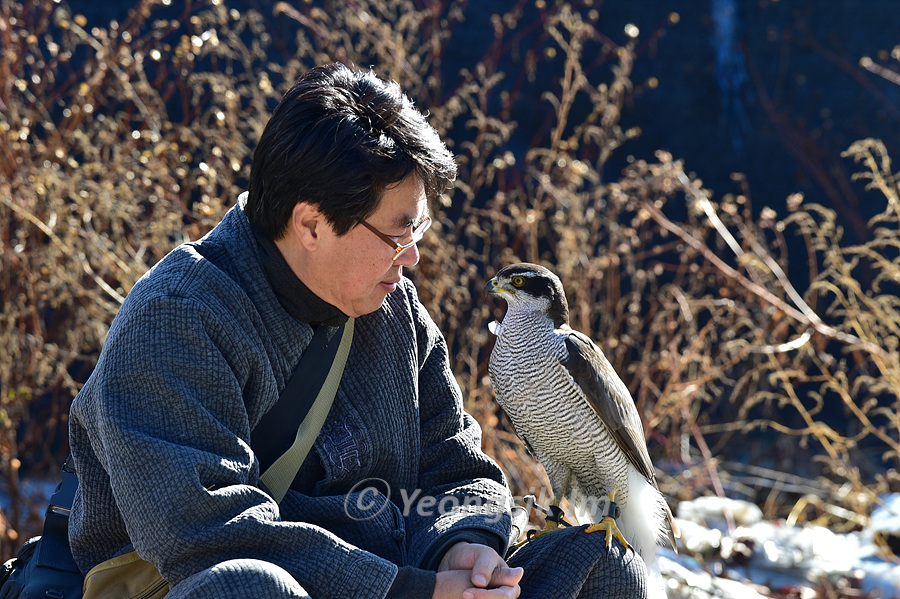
[416, 234]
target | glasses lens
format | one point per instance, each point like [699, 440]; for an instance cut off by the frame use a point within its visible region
[414, 237]
[419, 231]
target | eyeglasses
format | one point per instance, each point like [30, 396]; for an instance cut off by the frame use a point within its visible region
[401, 242]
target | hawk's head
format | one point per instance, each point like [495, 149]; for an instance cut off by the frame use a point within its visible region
[529, 287]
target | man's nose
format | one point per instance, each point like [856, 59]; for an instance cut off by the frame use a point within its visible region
[409, 256]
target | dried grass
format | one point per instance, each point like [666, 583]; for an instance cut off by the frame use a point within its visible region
[119, 142]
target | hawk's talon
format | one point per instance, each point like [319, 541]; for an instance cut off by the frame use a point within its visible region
[581, 529]
[553, 516]
[535, 533]
[608, 524]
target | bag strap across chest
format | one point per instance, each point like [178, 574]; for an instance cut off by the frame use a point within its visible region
[285, 435]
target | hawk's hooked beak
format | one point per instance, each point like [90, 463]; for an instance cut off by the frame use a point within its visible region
[494, 289]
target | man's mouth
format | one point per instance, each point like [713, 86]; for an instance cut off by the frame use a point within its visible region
[390, 284]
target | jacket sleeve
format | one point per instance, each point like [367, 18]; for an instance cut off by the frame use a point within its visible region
[464, 493]
[166, 418]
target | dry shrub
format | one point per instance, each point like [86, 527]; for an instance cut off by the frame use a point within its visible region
[119, 142]
[98, 179]
[798, 392]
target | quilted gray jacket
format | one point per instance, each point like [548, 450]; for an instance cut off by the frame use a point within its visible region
[198, 352]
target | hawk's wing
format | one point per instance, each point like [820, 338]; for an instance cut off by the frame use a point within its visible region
[610, 399]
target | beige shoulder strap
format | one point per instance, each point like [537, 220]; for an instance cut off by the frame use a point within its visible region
[281, 474]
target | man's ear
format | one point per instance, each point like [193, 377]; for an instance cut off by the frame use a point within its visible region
[306, 223]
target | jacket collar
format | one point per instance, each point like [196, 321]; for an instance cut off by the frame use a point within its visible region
[296, 298]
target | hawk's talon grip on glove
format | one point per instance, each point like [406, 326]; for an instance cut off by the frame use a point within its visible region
[553, 517]
[608, 524]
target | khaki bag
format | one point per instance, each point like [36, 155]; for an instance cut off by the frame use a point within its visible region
[125, 576]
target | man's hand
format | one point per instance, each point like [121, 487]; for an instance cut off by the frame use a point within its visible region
[473, 571]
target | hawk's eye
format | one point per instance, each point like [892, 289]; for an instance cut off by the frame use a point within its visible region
[518, 281]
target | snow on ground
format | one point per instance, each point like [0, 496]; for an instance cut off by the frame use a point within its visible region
[728, 551]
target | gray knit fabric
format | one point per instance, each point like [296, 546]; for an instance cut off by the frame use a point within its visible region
[239, 579]
[199, 351]
[568, 564]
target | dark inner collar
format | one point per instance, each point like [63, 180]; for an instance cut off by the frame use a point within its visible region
[296, 298]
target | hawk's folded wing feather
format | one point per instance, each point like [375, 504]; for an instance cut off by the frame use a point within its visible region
[610, 399]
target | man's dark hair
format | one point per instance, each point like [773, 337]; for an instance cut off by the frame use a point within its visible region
[338, 139]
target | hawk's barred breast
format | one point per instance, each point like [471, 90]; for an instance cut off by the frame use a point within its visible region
[545, 405]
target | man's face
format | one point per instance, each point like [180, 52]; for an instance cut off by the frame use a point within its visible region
[356, 270]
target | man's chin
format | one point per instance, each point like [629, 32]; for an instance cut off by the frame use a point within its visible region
[373, 304]
[387, 287]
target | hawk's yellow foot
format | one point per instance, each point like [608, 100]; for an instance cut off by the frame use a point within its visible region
[550, 526]
[612, 531]
[553, 520]
[608, 524]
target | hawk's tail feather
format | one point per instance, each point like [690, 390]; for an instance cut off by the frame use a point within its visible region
[644, 523]
[672, 529]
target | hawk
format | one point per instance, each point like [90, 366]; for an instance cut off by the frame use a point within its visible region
[575, 415]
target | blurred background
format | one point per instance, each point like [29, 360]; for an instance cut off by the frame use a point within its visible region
[710, 179]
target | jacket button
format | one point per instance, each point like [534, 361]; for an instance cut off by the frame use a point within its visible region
[399, 534]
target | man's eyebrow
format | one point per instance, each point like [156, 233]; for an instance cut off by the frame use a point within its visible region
[407, 220]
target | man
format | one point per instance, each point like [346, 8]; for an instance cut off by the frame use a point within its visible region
[205, 342]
